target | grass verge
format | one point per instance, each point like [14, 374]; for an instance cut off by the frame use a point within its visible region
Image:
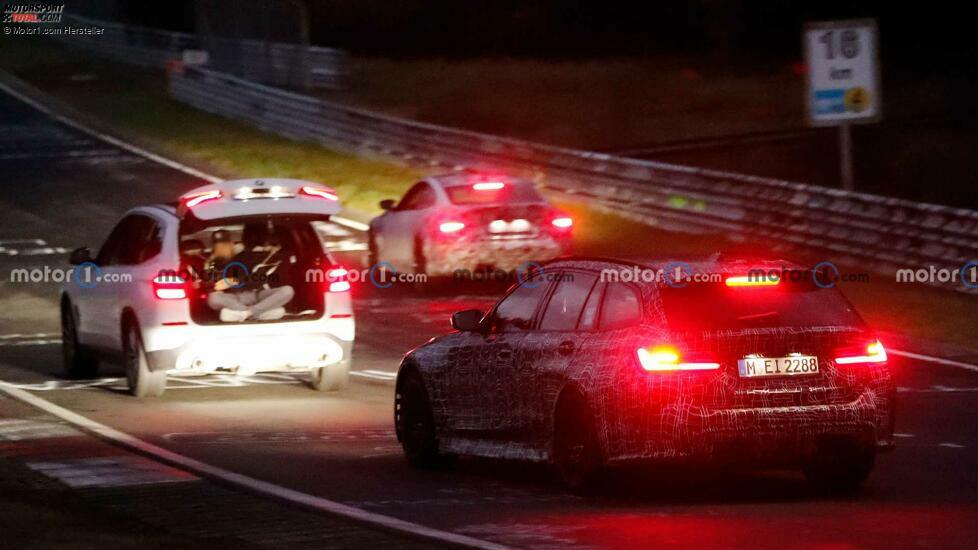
[133, 103]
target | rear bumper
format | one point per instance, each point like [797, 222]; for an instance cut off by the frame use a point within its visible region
[249, 349]
[447, 258]
[766, 437]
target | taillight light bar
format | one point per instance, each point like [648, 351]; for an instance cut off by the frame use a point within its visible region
[319, 192]
[205, 196]
[668, 359]
[874, 352]
[749, 280]
[488, 186]
[170, 288]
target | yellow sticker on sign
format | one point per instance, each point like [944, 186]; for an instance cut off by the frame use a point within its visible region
[856, 99]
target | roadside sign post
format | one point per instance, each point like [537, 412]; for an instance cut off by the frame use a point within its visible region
[843, 81]
[845, 157]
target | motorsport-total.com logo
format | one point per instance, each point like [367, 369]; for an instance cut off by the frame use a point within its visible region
[32, 13]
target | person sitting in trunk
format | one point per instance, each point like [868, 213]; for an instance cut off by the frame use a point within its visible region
[240, 289]
[194, 259]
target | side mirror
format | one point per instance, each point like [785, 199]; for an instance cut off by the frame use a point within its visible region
[80, 256]
[387, 204]
[467, 321]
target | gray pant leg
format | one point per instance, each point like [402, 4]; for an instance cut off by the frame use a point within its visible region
[272, 298]
[220, 300]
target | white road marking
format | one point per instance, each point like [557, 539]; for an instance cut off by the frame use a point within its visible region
[173, 382]
[45, 251]
[951, 445]
[280, 437]
[352, 224]
[382, 373]
[932, 359]
[35, 242]
[346, 246]
[17, 429]
[35, 335]
[29, 247]
[40, 342]
[905, 436]
[372, 376]
[116, 471]
[255, 485]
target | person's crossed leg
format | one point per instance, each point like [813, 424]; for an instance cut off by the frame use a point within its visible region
[265, 304]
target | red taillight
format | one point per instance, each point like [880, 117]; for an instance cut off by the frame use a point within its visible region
[202, 197]
[751, 280]
[170, 287]
[319, 192]
[873, 352]
[451, 227]
[338, 279]
[666, 358]
[488, 186]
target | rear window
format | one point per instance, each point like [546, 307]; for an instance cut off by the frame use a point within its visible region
[508, 193]
[715, 306]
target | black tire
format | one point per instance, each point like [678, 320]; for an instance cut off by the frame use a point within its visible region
[576, 449]
[78, 361]
[840, 466]
[330, 378]
[415, 423]
[420, 261]
[142, 382]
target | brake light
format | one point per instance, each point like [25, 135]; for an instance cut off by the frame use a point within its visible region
[751, 280]
[170, 288]
[874, 352]
[488, 186]
[562, 222]
[668, 359]
[338, 279]
[451, 227]
[319, 192]
[202, 197]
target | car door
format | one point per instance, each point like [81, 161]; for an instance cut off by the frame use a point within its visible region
[89, 294]
[400, 226]
[547, 353]
[126, 275]
[481, 388]
[613, 347]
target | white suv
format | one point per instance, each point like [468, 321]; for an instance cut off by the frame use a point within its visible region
[145, 295]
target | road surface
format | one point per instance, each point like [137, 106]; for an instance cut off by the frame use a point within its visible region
[63, 189]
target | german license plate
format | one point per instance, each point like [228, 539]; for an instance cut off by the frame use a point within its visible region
[793, 365]
[515, 226]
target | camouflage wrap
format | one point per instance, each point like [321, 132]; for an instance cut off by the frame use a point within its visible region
[495, 395]
[446, 257]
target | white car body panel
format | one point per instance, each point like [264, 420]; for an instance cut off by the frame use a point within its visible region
[172, 340]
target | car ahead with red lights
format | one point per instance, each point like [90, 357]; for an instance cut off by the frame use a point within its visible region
[147, 296]
[591, 362]
[462, 221]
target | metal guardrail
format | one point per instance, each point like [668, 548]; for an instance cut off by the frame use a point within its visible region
[881, 234]
[276, 63]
